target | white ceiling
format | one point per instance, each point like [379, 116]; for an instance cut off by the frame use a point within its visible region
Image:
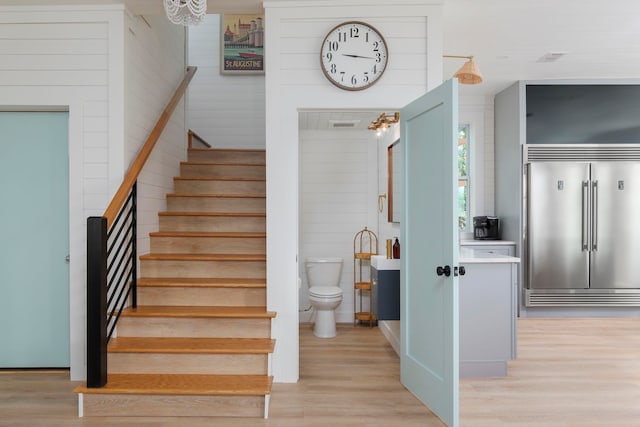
[601, 39]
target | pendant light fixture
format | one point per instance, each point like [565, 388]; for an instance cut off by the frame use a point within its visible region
[469, 73]
[185, 12]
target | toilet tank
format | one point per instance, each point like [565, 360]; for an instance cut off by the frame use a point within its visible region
[323, 271]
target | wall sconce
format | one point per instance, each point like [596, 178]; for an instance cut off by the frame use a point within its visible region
[384, 121]
[468, 74]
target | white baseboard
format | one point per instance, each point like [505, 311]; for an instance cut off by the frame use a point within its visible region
[391, 331]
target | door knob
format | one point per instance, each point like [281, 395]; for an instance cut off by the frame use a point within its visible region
[446, 270]
[459, 271]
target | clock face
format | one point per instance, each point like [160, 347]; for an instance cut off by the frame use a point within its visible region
[354, 55]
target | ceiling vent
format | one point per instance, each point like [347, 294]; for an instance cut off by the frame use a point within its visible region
[343, 124]
[551, 56]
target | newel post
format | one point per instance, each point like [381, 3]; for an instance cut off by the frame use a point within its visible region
[96, 302]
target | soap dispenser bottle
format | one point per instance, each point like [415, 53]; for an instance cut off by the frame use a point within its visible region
[396, 249]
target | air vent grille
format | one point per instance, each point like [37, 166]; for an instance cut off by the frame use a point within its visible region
[577, 153]
[588, 299]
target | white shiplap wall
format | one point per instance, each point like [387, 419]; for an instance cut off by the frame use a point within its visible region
[294, 81]
[226, 110]
[338, 188]
[155, 66]
[73, 57]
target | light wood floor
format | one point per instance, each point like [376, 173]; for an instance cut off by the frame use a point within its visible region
[570, 373]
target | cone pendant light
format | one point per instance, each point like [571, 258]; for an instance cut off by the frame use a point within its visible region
[468, 74]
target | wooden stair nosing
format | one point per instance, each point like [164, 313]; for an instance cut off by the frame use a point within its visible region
[235, 150]
[184, 384]
[214, 214]
[204, 257]
[204, 163]
[222, 178]
[219, 196]
[180, 311]
[232, 234]
[205, 282]
[191, 345]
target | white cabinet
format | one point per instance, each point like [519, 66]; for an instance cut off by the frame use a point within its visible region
[488, 308]
[499, 247]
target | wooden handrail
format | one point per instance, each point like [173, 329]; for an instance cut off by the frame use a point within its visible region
[193, 135]
[137, 165]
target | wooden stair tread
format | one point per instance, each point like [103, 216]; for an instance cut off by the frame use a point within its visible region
[224, 163]
[205, 282]
[188, 384]
[221, 196]
[191, 345]
[222, 178]
[204, 257]
[238, 150]
[214, 214]
[244, 235]
[179, 311]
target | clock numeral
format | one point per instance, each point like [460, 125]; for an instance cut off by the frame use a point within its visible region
[366, 37]
[342, 76]
[333, 68]
[354, 81]
[375, 69]
[329, 56]
[375, 46]
[342, 36]
[354, 32]
[366, 77]
[333, 45]
[378, 57]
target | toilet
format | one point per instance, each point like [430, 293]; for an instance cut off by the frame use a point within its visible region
[325, 294]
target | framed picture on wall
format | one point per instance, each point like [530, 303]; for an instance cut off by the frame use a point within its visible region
[242, 44]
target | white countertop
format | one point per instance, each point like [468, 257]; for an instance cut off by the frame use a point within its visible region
[486, 242]
[469, 256]
[380, 262]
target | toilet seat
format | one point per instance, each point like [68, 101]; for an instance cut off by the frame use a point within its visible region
[325, 291]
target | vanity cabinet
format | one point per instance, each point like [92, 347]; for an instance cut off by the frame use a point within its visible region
[385, 294]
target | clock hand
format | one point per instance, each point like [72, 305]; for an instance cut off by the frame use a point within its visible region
[357, 56]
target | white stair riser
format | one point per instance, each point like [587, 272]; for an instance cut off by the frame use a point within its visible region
[231, 156]
[172, 327]
[213, 224]
[195, 269]
[198, 170]
[110, 405]
[219, 187]
[217, 204]
[208, 245]
[202, 364]
[202, 296]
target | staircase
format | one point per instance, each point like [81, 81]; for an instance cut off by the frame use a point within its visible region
[198, 344]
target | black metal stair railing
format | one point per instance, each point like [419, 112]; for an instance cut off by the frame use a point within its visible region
[111, 282]
[111, 253]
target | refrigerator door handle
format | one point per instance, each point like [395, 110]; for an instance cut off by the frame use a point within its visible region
[585, 216]
[594, 216]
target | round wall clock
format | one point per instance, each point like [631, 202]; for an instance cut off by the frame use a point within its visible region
[354, 55]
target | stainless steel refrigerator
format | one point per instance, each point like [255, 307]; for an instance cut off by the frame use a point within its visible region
[583, 229]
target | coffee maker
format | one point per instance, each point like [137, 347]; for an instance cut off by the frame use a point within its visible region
[486, 228]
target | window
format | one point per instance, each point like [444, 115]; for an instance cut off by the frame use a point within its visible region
[464, 204]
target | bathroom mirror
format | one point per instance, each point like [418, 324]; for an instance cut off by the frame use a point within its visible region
[395, 173]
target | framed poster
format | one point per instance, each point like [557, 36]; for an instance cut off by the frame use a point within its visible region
[242, 44]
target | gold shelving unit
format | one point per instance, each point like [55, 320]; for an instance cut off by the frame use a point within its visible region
[365, 244]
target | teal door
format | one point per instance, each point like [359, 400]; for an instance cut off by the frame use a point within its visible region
[34, 240]
[429, 302]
